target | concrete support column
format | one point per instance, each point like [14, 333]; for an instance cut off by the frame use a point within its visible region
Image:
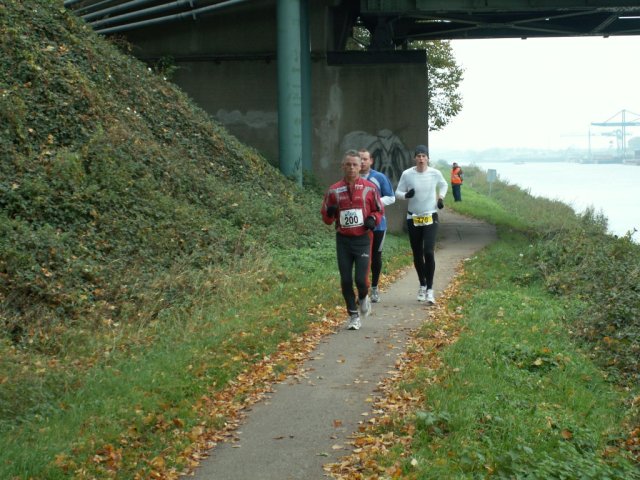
[290, 89]
[305, 57]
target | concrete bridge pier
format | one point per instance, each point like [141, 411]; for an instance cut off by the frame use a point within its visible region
[290, 88]
[294, 93]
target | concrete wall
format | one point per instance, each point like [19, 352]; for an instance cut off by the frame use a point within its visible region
[380, 107]
[241, 95]
[227, 65]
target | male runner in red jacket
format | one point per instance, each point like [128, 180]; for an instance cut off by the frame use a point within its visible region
[354, 205]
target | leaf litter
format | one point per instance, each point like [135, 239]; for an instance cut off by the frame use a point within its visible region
[395, 403]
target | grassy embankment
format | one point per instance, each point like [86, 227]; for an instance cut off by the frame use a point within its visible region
[154, 273]
[530, 370]
[147, 259]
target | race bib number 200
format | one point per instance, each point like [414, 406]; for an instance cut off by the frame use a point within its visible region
[351, 218]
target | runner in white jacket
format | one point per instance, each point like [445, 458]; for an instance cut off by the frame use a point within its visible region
[425, 188]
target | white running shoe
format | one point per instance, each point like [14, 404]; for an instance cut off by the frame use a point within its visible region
[375, 296]
[354, 322]
[430, 298]
[365, 306]
[422, 294]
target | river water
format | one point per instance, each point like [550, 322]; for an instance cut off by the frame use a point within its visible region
[612, 189]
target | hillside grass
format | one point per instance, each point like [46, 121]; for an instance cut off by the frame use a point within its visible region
[146, 256]
[514, 396]
[155, 274]
[120, 201]
[574, 257]
[152, 400]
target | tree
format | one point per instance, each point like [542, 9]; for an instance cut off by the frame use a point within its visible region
[444, 75]
[443, 80]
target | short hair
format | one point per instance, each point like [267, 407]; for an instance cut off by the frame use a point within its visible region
[351, 153]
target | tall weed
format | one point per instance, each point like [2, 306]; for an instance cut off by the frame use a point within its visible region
[604, 272]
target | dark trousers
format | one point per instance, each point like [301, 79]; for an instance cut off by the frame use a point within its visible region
[376, 256]
[457, 193]
[353, 252]
[423, 244]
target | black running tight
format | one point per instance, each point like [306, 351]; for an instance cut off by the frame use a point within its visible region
[376, 256]
[353, 251]
[423, 244]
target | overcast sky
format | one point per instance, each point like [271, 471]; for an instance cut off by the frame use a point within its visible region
[542, 93]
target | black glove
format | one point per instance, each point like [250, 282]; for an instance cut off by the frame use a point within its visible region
[370, 222]
[332, 210]
[440, 204]
[410, 193]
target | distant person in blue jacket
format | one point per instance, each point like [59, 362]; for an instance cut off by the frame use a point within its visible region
[385, 190]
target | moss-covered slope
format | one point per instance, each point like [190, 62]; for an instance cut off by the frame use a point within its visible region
[111, 178]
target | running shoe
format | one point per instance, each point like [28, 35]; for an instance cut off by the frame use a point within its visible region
[365, 306]
[430, 298]
[375, 296]
[422, 294]
[354, 322]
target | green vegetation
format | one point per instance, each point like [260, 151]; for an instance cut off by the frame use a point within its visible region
[516, 398]
[114, 182]
[147, 259]
[143, 401]
[141, 248]
[575, 258]
[542, 382]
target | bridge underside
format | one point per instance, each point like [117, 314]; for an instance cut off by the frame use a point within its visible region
[473, 19]
[396, 22]
[277, 75]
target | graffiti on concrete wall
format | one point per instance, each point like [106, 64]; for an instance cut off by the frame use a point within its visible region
[390, 155]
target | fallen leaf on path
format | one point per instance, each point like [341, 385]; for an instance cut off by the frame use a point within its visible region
[395, 403]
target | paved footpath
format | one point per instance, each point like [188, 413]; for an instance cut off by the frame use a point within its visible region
[306, 424]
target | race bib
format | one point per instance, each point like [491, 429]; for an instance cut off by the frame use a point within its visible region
[422, 220]
[351, 218]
